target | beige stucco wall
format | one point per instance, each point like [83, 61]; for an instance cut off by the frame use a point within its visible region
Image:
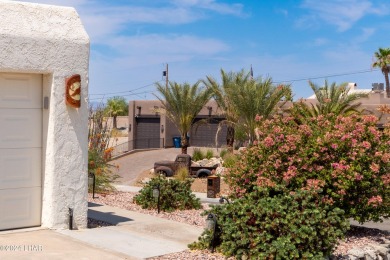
[51, 41]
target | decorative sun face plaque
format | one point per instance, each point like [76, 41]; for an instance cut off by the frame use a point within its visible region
[73, 90]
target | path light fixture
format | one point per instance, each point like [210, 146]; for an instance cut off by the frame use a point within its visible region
[211, 224]
[156, 195]
[92, 181]
[223, 199]
[70, 218]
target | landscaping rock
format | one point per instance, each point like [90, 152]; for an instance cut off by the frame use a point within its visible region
[220, 171]
[357, 252]
[370, 252]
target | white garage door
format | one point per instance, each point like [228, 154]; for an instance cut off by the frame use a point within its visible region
[20, 150]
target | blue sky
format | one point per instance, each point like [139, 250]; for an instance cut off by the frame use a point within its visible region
[290, 41]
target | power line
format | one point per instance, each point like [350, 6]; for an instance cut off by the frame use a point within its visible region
[132, 94]
[114, 93]
[328, 76]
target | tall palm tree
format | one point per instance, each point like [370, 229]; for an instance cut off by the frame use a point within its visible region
[383, 62]
[335, 99]
[258, 97]
[231, 82]
[181, 103]
[116, 106]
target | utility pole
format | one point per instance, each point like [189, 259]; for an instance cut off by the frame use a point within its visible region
[166, 77]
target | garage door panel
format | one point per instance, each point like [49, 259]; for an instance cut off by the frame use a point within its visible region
[23, 208]
[20, 168]
[20, 91]
[20, 150]
[204, 135]
[148, 133]
[20, 128]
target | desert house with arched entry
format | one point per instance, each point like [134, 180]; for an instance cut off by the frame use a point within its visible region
[44, 63]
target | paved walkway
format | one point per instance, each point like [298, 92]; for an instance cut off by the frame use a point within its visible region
[134, 236]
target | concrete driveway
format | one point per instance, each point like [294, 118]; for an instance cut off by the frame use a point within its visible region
[131, 165]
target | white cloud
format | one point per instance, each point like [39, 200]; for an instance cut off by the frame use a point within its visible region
[366, 35]
[320, 42]
[341, 13]
[222, 8]
[169, 44]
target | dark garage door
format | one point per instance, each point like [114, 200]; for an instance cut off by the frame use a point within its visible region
[147, 133]
[204, 134]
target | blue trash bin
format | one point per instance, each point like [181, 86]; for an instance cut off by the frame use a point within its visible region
[177, 141]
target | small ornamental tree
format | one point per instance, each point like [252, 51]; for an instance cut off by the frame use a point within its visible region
[348, 157]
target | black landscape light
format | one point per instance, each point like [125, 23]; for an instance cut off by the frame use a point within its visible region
[211, 224]
[92, 181]
[223, 199]
[70, 218]
[156, 195]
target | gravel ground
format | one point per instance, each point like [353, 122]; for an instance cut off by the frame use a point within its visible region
[356, 237]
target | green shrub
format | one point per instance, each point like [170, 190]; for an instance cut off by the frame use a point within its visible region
[197, 155]
[223, 153]
[209, 153]
[229, 160]
[272, 223]
[345, 155]
[174, 194]
[181, 174]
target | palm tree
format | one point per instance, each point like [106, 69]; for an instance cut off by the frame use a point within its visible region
[258, 97]
[335, 99]
[242, 98]
[231, 82]
[383, 62]
[116, 106]
[181, 104]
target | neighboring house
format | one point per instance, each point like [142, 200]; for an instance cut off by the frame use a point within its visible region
[150, 129]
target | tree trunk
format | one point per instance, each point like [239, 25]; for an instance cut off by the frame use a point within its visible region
[184, 144]
[114, 122]
[230, 138]
[387, 82]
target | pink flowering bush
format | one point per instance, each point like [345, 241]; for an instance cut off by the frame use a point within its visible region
[345, 158]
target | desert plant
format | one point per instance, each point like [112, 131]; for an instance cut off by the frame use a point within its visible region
[229, 160]
[181, 103]
[382, 62]
[274, 223]
[116, 106]
[99, 152]
[174, 194]
[209, 154]
[223, 153]
[181, 174]
[197, 154]
[330, 98]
